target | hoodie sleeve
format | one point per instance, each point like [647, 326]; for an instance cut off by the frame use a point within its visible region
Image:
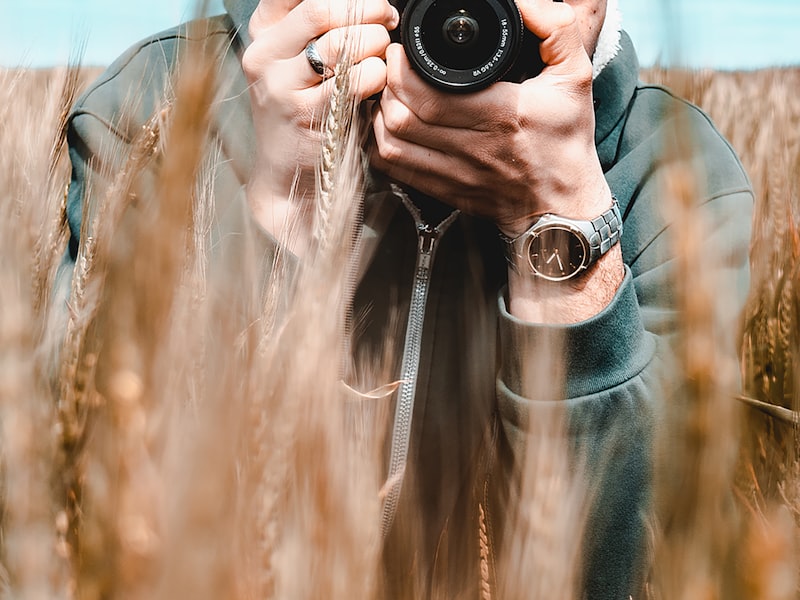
[612, 372]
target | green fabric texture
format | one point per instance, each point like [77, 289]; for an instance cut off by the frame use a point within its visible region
[612, 365]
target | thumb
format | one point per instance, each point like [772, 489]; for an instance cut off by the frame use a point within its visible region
[556, 25]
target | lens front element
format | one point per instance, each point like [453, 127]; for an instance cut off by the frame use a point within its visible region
[461, 45]
[461, 28]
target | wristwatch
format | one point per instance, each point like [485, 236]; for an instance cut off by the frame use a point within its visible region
[557, 248]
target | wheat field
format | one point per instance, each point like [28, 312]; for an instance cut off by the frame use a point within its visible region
[126, 478]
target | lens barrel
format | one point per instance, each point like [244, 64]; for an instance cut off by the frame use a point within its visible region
[466, 45]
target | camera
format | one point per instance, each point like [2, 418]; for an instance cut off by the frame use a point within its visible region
[466, 45]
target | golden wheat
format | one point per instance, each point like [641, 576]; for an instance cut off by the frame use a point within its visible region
[183, 453]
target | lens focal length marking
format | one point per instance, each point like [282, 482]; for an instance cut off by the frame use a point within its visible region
[427, 28]
[497, 55]
[486, 67]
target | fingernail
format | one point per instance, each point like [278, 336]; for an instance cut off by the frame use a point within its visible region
[395, 16]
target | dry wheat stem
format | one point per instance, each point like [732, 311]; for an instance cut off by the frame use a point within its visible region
[250, 426]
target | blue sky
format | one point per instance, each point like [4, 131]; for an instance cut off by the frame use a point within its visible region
[724, 34]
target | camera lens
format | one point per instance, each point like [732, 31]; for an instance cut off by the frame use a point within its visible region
[461, 45]
[461, 28]
[449, 34]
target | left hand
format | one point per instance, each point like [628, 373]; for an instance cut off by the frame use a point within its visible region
[505, 153]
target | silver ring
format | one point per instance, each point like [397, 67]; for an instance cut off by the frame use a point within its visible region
[314, 59]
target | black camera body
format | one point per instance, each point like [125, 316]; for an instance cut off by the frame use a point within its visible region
[466, 45]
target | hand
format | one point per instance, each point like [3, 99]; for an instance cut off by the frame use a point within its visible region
[506, 153]
[288, 98]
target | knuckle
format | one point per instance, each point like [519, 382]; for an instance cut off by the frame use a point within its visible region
[375, 39]
[375, 12]
[424, 110]
[482, 160]
[388, 151]
[396, 118]
[384, 39]
[317, 14]
[471, 179]
[564, 17]
[370, 77]
[252, 64]
[505, 121]
[429, 110]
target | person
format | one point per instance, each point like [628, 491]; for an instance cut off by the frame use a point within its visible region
[474, 173]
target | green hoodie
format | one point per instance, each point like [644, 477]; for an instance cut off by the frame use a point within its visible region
[471, 422]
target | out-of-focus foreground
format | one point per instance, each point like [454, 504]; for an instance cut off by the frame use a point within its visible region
[757, 114]
[143, 459]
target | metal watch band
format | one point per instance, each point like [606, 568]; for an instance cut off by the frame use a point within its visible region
[601, 233]
[607, 227]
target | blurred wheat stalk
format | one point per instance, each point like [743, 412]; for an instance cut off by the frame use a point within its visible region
[179, 453]
[211, 478]
[756, 554]
[33, 109]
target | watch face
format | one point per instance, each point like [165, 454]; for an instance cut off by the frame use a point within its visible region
[557, 253]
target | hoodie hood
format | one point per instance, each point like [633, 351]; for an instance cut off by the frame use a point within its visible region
[610, 40]
[608, 44]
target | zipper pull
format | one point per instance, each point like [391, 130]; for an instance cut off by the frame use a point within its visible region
[428, 237]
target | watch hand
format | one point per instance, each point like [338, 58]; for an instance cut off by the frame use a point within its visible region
[552, 256]
[560, 264]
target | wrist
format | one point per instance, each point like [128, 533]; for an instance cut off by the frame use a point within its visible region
[564, 270]
[541, 301]
[582, 198]
[558, 248]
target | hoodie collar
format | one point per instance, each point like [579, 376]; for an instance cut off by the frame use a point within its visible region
[613, 90]
[240, 12]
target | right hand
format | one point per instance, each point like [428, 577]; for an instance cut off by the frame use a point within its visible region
[288, 98]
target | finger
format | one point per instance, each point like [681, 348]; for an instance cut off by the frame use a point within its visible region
[481, 111]
[357, 42]
[268, 13]
[431, 183]
[556, 25]
[361, 41]
[401, 122]
[413, 177]
[312, 18]
[367, 78]
[402, 159]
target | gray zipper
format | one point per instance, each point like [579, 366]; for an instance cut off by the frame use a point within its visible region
[427, 237]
